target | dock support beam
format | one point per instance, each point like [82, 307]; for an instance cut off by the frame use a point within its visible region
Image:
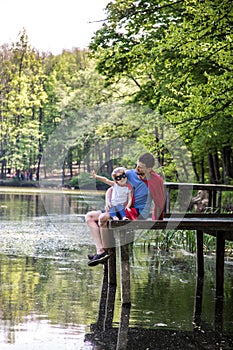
[200, 254]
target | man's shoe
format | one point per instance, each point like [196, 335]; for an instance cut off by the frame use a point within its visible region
[91, 256]
[99, 259]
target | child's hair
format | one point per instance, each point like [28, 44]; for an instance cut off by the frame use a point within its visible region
[117, 170]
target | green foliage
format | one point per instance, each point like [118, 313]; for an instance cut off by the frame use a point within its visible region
[185, 240]
[39, 91]
[178, 54]
[172, 57]
[83, 181]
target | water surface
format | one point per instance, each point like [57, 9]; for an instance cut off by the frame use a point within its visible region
[49, 297]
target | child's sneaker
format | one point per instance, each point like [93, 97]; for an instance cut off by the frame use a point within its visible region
[115, 218]
[125, 218]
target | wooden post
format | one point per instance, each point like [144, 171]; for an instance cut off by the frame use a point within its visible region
[112, 267]
[124, 270]
[125, 291]
[218, 316]
[168, 203]
[219, 203]
[122, 337]
[100, 324]
[112, 284]
[210, 201]
[220, 247]
[110, 303]
[198, 302]
[199, 253]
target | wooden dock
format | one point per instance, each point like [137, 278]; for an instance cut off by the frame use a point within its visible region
[214, 223]
[220, 226]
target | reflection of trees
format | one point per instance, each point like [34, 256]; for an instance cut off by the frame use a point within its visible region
[19, 206]
[60, 290]
[168, 282]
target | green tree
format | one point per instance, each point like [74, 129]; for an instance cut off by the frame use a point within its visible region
[22, 98]
[177, 53]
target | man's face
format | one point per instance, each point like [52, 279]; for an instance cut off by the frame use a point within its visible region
[142, 171]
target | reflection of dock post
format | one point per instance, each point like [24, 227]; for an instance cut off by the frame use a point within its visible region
[124, 272]
[108, 293]
[198, 302]
[199, 253]
[220, 247]
[199, 279]
[103, 300]
[123, 239]
[112, 284]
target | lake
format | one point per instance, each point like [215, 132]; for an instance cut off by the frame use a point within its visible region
[50, 298]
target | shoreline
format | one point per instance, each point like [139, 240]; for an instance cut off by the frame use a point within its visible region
[40, 190]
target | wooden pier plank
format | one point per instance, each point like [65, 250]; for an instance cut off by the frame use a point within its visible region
[176, 223]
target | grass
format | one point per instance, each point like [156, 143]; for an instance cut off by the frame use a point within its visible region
[186, 240]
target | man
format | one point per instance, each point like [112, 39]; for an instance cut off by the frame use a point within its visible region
[147, 185]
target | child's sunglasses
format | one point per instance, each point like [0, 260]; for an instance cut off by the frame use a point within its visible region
[119, 177]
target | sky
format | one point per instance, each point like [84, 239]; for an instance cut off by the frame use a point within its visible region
[51, 25]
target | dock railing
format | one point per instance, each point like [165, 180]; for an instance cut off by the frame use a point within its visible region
[185, 192]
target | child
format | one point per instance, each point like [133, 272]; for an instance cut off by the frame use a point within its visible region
[121, 196]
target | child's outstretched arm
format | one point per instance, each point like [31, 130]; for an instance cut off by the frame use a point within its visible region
[101, 178]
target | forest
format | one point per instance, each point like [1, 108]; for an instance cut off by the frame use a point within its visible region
[157, 76]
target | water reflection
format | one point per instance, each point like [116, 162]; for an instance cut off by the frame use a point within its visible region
[50, 298]
[59, 299]
[47, 299]
[202, 336]
[37, 203]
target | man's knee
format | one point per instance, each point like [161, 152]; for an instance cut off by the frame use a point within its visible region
[87, 217]
[103, 218]
[92, 216]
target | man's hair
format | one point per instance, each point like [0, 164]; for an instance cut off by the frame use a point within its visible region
[147, 159]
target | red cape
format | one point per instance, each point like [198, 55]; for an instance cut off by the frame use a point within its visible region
[156, 188]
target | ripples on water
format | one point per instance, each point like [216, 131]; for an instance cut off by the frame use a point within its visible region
[50, 297]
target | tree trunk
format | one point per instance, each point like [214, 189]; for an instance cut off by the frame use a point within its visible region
[216, 168]
[195, 170]
[227, 164]
[202, 170]
[211, 168]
